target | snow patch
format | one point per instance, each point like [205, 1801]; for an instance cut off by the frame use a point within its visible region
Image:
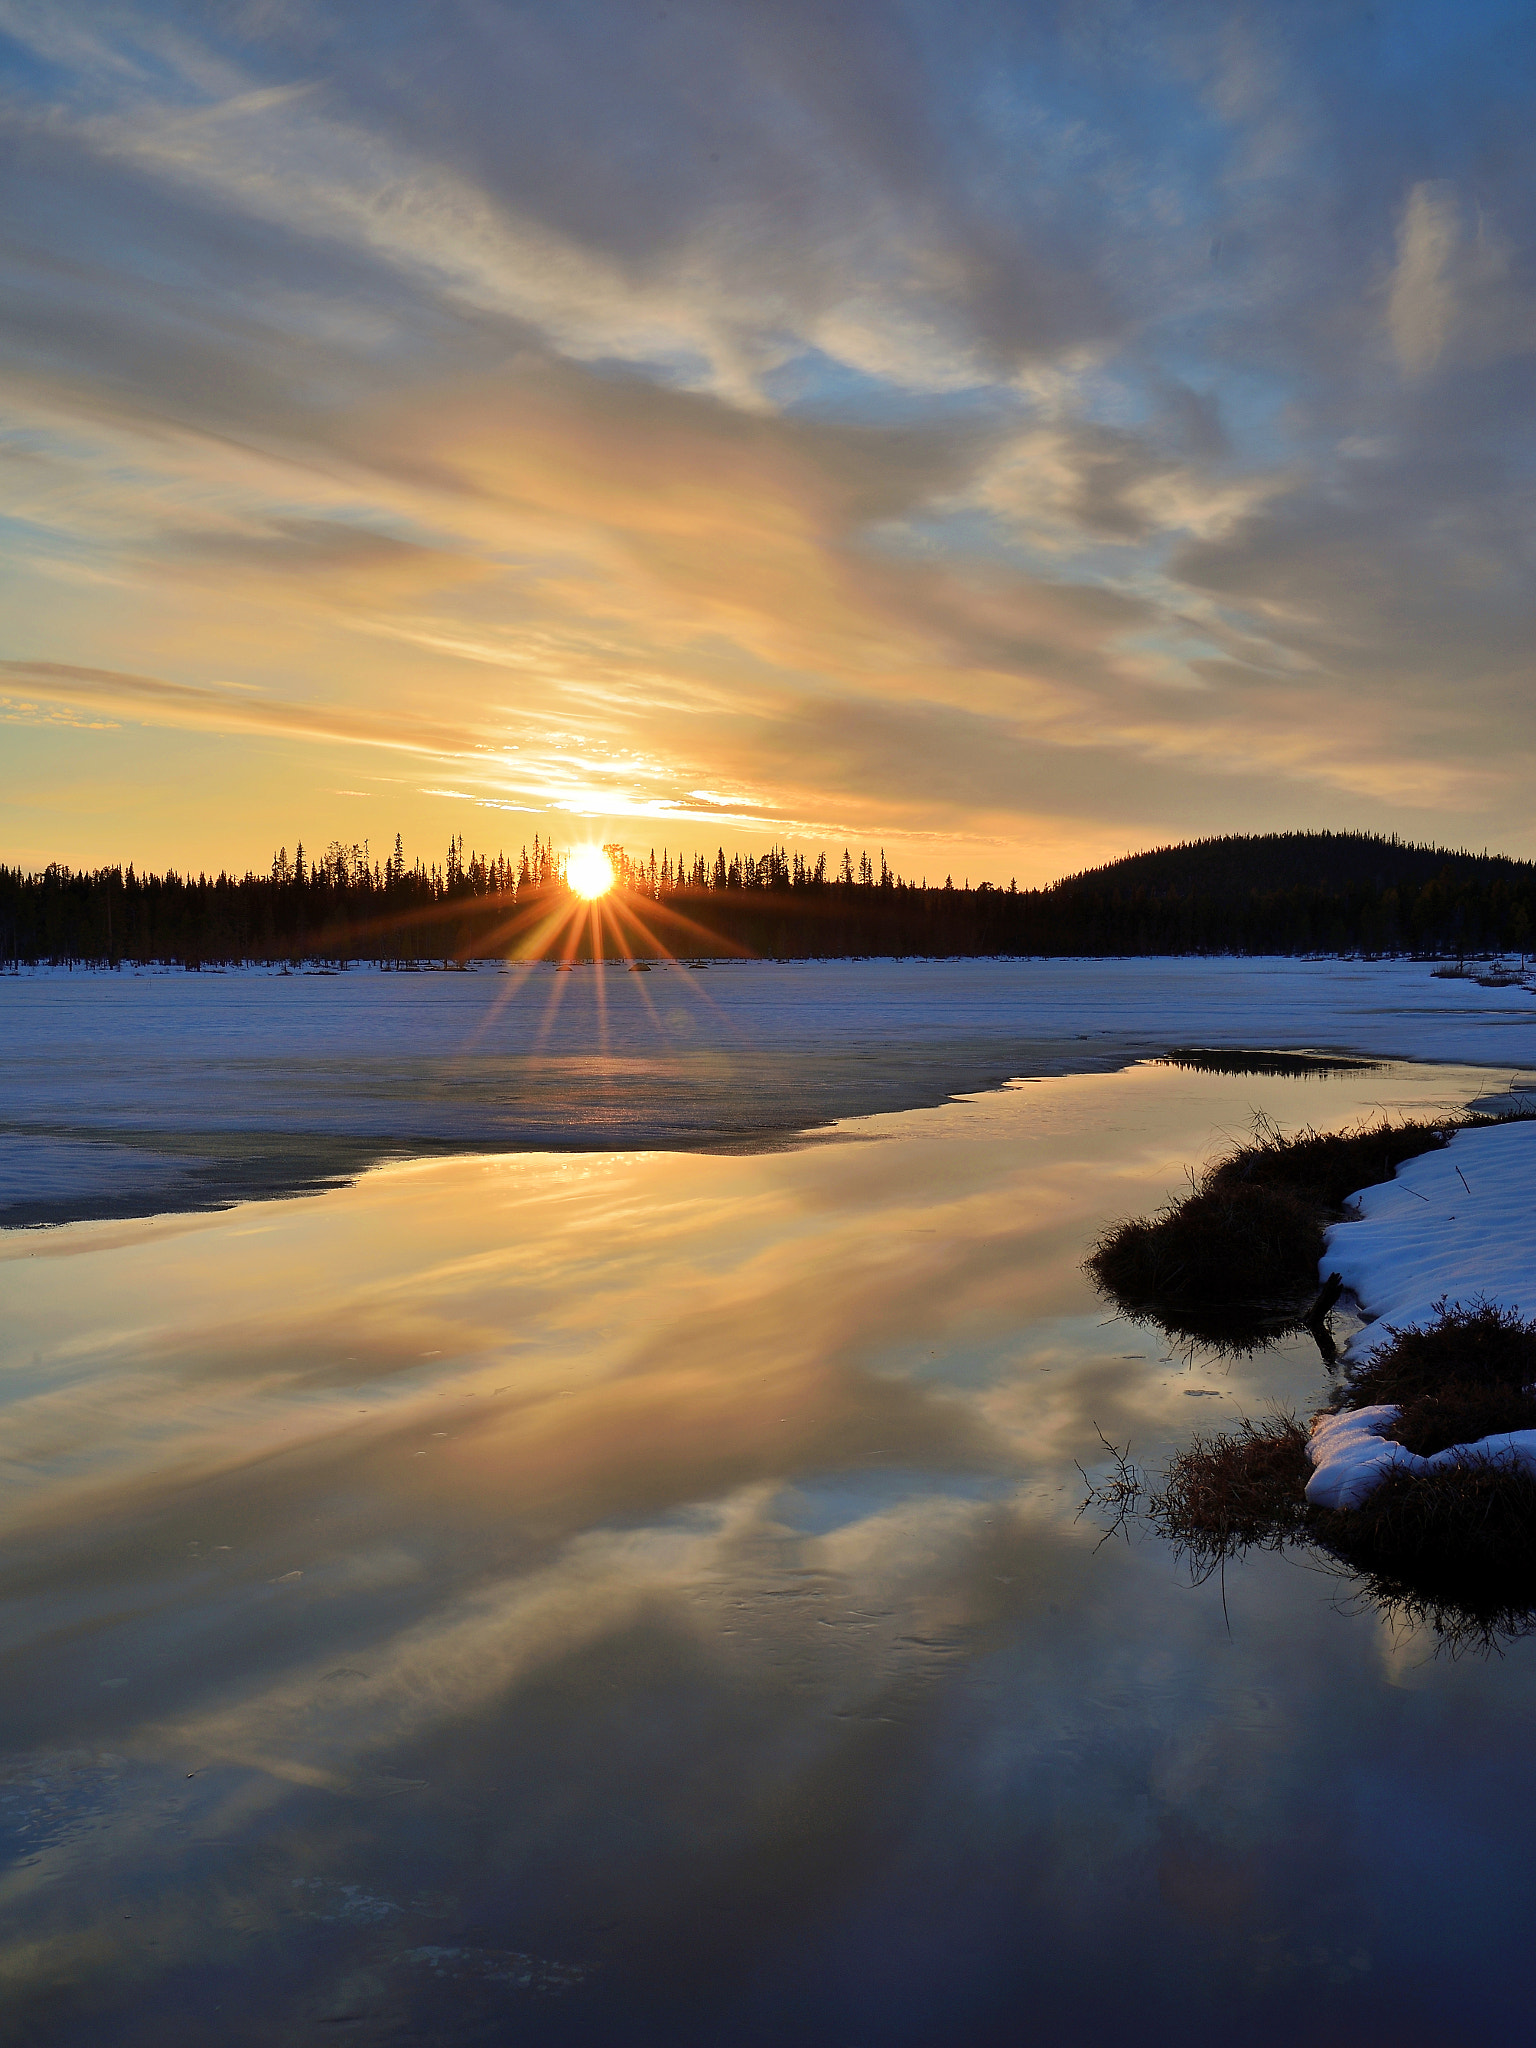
[1457, 1226]
[1351, 1458]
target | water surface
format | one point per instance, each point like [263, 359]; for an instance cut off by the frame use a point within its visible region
[638, 1597]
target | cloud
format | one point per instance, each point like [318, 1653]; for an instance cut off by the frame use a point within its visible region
[1065, 482]
[589, 405]
[225, 710]
[1458, 295]
[1422, 305]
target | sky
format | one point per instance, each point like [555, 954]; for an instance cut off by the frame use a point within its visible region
[1007, 436]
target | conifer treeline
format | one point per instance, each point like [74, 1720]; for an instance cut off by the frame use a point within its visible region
[1289, 893]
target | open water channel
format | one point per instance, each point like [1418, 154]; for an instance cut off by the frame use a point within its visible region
[638, 1597]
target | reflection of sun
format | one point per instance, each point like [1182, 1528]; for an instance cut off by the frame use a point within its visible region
[589, 871]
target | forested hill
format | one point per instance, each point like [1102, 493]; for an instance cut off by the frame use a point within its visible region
[1298, 892]
[1239, 865]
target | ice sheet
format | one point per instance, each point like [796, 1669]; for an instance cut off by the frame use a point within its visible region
[125, 1093]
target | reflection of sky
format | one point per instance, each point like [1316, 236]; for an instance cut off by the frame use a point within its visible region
[669, 1564]
[996, 435]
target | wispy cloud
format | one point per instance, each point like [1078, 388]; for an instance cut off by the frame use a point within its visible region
[995, 433]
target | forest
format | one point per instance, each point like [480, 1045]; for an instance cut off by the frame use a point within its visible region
[1283, 893]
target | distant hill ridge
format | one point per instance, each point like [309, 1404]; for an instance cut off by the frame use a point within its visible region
[1241, 864]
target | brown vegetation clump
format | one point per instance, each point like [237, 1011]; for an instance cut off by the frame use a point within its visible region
[1238, 1490]
[1483, 1346]
[1462, 1413]
[1219, 1249]
[1462, 1535]
[1454, 1548]
[1324, 1168]
[1238, 1257]
[1471, 1374]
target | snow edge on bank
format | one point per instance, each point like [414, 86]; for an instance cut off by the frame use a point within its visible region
[1454, 1227]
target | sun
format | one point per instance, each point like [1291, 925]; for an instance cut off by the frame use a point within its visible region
[589, 871]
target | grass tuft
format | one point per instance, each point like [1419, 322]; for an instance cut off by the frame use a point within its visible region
[1453, 1549]
[1234, 1491]
[1460, 1535]
[1481, 1346]
[1461, 1413]
[1324, 1168]
[1220, 1251]
[1236, 1261]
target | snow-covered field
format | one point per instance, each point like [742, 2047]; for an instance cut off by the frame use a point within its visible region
[126, 1092]
[1457, 1226]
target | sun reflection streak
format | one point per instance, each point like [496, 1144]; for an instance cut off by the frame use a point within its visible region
[595, 912]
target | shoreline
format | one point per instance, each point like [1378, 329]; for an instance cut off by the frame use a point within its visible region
[1417, 1477]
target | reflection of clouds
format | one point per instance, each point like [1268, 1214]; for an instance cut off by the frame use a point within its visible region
[453, 1664]
[891, 1646]
[725, 1550]
[647, 1329]
[662, 1300]
[861, 1619]
[832, 1639]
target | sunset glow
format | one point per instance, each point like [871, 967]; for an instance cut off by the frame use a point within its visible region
[1006, 498]
[589, 871]
[726, 728]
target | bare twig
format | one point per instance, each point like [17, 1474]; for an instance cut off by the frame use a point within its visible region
[1118, 1495]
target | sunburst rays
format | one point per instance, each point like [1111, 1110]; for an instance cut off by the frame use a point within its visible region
[557, 924]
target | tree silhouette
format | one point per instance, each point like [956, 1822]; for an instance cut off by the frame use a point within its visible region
[1285, 893]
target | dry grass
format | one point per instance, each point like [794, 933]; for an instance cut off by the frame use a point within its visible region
[1235, 1491]
[1236, 1260]
[1461, 1414]
[1482, 1346]
[1324, 1168]
[1461, 1536]
[1469, 1375]
[1453, 1550]
[1116, 1498]
[1217, 1249]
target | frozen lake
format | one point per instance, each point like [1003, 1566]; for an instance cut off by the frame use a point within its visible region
[130, 1093]
[635, 1596]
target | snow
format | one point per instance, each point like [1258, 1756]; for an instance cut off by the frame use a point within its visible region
[1458, 1224]
[1386, 1008]
[171, 1089]
[1455, 1226]
[1351, 1460]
